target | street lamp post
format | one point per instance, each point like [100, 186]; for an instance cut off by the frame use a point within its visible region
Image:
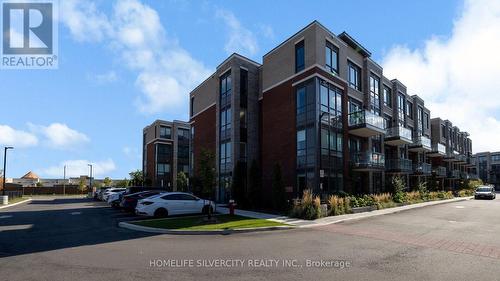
[90, 179]
[5, 201]
[64, 181]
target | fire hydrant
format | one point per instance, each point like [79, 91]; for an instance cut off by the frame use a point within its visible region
[232, 205]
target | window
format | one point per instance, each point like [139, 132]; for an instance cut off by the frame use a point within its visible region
[191, 106]
[332, 58]
[443, 131]
[375, 94]
[301, 147]
[225, 157]
[186, 197]
[387, 96]
[387, 121]
[420, 120]
[401, 109]
[354, 106]
[301, 100]
[409, 109]
[354, 76]
[165, 132]
[495, 157]
[225, 122]
[182, 135]
[426, 120]
[243, 88]
[162, 169]
[299, 57]
[225, 89]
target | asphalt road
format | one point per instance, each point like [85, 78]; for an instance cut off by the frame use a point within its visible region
[78, 239]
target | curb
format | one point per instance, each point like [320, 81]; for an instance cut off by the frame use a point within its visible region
[199, 232]
[388, 211]
[15, 204]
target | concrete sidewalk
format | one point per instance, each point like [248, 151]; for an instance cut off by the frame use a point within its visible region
[336, 219]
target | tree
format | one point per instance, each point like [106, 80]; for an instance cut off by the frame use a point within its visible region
[206, 171]
[81, 185]
[279, 199]
[107, 181]
[182, 181]
[238, 185]
[254, 185]
[123, 183]
[39, 184]
[136, 178]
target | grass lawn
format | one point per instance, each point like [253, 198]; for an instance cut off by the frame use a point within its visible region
[224, 222]
[17, 199]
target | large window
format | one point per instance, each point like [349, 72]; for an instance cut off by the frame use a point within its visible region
[183, 135]
[375, 94]
[225, 89]
[299, 57]
[225, 123]
[495, 157]
[409, 109]
[165, 132]
[426, 120]
[401, 109]
[162, 169]
[225, 157]
[191, 106]
[301, 147]
[331, 99]
[354, 76]
[332, 58]
[387, 96]
[420, 120]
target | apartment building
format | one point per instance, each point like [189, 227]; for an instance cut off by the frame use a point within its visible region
[451, 154]
[321, 108]
[486, 166]
[165, 152]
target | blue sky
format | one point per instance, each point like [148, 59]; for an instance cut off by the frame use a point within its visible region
[124, 64]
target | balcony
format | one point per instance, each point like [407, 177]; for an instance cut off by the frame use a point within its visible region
[437, 150]
[422, 168]
[368, 161]
[471, 162]
[450, 157]
[398, 165]
[453, 174]
[398, 136]
[472, 176]
[365, 124]
[440, 172]
[420, 144]
[461, 159]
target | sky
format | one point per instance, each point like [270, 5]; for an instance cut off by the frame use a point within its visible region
[124, 64]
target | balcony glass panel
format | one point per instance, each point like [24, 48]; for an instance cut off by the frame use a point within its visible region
[398, 131]
[366, 117]
[368, 159]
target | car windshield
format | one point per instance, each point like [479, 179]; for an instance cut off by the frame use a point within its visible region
[483, 189]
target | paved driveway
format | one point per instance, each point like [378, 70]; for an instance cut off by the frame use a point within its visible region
[78, 239]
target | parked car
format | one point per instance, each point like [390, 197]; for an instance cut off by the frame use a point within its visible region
[114, 198]
[109, 191]
[129, 201]
[173, 203]
[98, 193]
[485, 192]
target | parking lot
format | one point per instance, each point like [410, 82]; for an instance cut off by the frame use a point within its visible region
[78, 239]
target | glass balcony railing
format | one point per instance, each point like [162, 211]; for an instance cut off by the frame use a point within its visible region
[422, 168]
[440, 171]
[365, 117]
[440, 148]
[473, 176]
[453, 174]
[398, 131]
[423, 141]
[461, 158]
[398, 165]
[368, 159]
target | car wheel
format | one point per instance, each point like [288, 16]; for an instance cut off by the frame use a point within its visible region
[161, 213]
[206, 208]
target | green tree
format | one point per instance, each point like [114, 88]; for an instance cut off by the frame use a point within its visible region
[136, 178]
[254, 185]
[81, 185]
[39, 184]
[123, 183]
[238, 185]
[279, 199]
[206, 171]
[182, 181]
[107, 181]
[398, 185]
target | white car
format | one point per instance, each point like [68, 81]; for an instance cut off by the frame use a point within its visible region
[114, 196]
[173, 203]
[109, 191]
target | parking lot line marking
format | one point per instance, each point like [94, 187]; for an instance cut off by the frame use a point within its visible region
[75, 213]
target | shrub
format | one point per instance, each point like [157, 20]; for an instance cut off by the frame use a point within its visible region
[465, 193]
[308, 208]
[339, 205]
[398, 185]
[423, 191]
[433, 196]
[347, 205]
[445, 195]
[413, 197]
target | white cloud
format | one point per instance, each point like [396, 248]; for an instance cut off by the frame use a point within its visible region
[267, 31]
[16, 138]
[59, 135]
[76, 168]
[241, 40]
[132, 152]
[458, 77]
[165, 71]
